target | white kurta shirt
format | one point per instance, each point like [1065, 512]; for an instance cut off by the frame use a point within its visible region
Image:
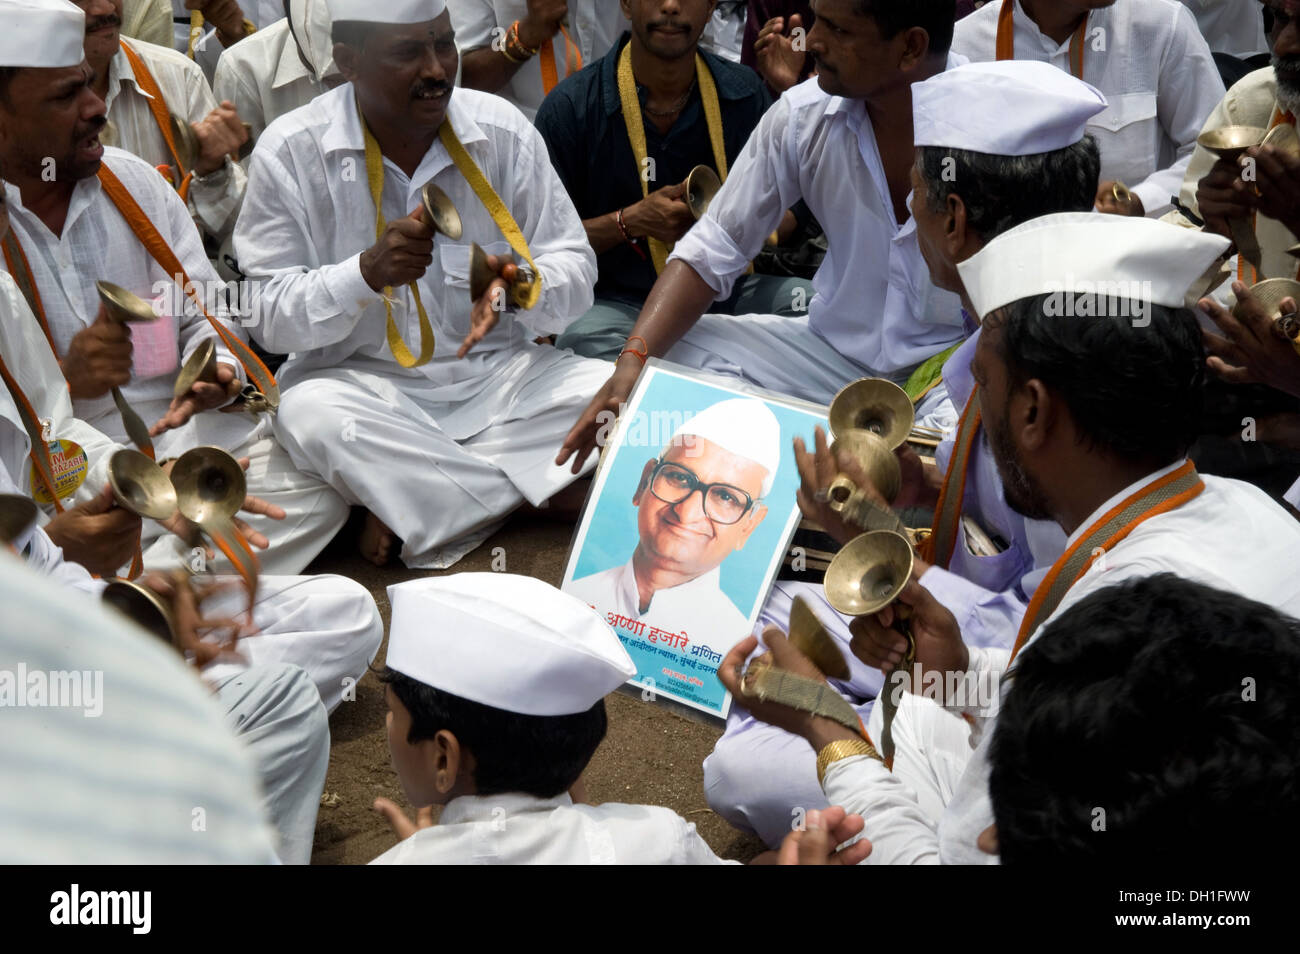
[699, 606]
[1231, 536]
[309, 216]
[1235, 27]
[264, 77]
[594, 26]
[873, 302]
[520, 829]
[1154, 68]
[215, 198]
[96, 244]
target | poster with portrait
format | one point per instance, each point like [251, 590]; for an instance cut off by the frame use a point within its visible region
[690, 515]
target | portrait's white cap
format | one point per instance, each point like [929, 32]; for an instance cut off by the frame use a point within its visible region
[745, 427]
[1003, 108]
[506, 641]
[385, 11]
[1089, 252]
[49, 34]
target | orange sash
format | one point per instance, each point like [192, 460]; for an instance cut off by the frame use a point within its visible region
[40, 451]
[938, 547]
[546, 57]
[1168, 493]
[1005, 48]
[181, 178]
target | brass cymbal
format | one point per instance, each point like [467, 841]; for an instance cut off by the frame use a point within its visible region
[876, 405]
[141, 606]
[1230, 142]
[1294, 250]
[876, 459]
[702, 184]
[481, 274]
[869, 572]
[17, 514]
[140, 485]
[810, 637]
[123, 305]
[186, 139]
[199, 366]
[1269, 293]
[440, 212]
[210, 485]
[1283, 137]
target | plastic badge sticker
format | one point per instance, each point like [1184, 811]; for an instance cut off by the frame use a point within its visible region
[70, 467]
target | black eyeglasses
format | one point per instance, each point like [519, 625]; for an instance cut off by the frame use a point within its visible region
[723, 503]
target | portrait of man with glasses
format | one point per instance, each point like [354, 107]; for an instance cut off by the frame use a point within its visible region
[697, 502]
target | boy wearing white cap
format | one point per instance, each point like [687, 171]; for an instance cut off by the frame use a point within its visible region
[997, 144]
[1083, 321]
[1146, 56]
[81, 212]
[437, 413]
[728, 453]
[500, 733]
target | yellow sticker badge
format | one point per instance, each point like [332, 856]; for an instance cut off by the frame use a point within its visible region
[70, 468]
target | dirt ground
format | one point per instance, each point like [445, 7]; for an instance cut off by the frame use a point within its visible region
[650, 755]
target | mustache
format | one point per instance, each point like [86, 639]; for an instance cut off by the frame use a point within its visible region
[429, 86]
[91, 127]
[111, 19]
[1285, 64]
[668, 24]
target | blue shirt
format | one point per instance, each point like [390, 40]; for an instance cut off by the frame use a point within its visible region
[582, 124]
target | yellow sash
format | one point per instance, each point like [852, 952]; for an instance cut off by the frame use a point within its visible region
[636, 130]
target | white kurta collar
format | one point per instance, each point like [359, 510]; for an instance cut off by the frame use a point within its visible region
[705, 584]
[119, 74]
[475, 808]
[290, 68]
[1126, 492]
[1099, 18]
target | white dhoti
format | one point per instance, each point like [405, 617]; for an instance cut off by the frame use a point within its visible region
[277, 715]
[441, 475]
[328, 625]
[763, 779]
[779, 353]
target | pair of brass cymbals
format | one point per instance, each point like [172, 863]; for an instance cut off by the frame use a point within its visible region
[869, 419]
[206, 484]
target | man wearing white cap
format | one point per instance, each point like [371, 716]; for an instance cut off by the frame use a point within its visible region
[997, 144]
[1146, 56]
[280, 67]
[1083, 320]
[841, 142]
[144, 85]
[496, 687]
[81, 212]
[433, 411]
[729, 454]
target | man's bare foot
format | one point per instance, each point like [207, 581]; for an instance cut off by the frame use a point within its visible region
[376, 541]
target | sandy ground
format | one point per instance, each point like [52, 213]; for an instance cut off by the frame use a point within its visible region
[650, 755]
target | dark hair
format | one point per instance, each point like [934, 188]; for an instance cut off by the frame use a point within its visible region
[892, 17]
[1001, 192]
[353, 33]
[1134, 387]
[1168, 705]
[537, 755]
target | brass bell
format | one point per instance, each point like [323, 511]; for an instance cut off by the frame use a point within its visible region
[869, 573]
[810, 637]
[481, 274]
[875, 458]
[209, 484]
[140, 485]
[876, 405]
[17, 515]
[143, 607]
[199, 366]
[439, 213]
[702, 184]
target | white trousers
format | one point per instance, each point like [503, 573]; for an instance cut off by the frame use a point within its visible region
[276, 713]
[762, 779]
[328, 625]
[313, 511]
[442, 493]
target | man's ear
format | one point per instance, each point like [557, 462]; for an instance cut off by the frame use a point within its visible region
[1033, 412]
[646, 471]
[916, 47]
[347, 60]
[961, 242]
[752, 520]
[447, 760]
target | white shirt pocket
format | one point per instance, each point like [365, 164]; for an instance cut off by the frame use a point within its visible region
[1128, 134]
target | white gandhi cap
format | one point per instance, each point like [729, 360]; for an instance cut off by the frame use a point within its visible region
[506, 641]
[1137, 258]
[745, 427]
[385, 11]
[1003, 108]
[42, 33]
